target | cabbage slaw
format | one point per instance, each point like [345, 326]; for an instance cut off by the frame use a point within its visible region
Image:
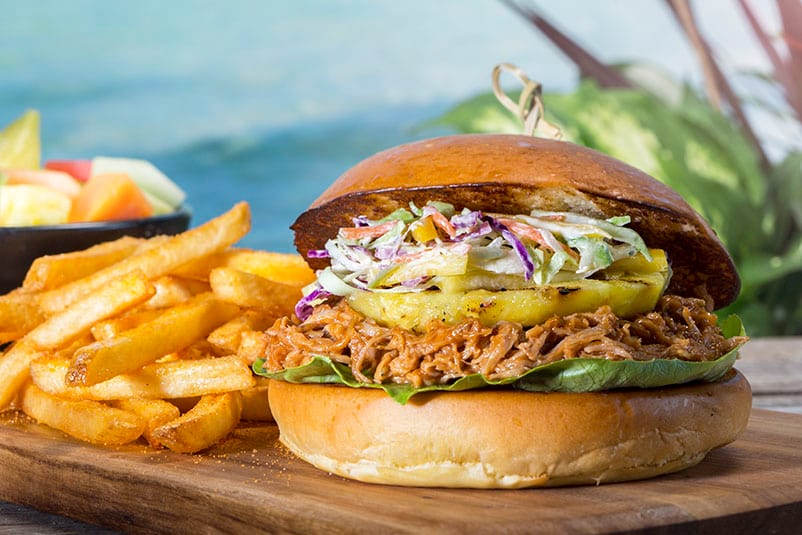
[413, 250]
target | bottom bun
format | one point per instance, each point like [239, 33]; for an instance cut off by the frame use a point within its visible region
[506, 438]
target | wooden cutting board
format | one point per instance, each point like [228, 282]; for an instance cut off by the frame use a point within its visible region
[251, 482]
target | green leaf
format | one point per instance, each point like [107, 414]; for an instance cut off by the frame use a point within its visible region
[482, 113]
[738, 161]
[593, 375]
[786, 177]
[401, 214]
[761, 269]
[570, 375]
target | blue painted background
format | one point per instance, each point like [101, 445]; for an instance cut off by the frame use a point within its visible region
[270, 101]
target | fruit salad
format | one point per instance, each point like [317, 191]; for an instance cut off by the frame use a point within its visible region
[75, 190]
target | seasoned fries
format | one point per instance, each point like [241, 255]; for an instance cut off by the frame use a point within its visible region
[253, 291]
[147, 337]
[255, 406]
[155, 413]
[118, 296]
[52, 271]
[19, 313]
[87, 420]
[161, 380]
[176, 251]
[14, 369]
[281, 267]
[214, 417]
[171, 331]
[171, 291]
[111, 327]
[228, 337]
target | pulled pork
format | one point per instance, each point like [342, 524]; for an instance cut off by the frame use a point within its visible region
[678, 328]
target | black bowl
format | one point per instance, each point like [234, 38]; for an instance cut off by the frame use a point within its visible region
[20, 246]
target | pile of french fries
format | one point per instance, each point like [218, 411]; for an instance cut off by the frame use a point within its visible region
[141, 337]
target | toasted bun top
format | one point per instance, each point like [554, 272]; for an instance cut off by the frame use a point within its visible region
[515, 174]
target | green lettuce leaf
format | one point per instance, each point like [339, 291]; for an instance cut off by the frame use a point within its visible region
[572, 375]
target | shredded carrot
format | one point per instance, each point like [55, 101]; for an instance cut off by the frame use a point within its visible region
[531, 233]
[357, 233]
[525, 231]
[443, 223]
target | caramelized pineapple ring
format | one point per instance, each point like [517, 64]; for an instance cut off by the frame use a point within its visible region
[630, 286]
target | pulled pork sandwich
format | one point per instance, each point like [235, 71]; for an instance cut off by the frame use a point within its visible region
[506, 311]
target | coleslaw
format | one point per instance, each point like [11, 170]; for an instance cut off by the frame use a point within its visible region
[426, 248]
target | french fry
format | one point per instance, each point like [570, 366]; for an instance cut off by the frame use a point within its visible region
[172, 290]
[252, 291]
[52, 271]
[290, 269]
[227, 337]
[68, 350]
[103, 330]
[255, 405]
[200, 349]
[252, 346]
[118, 295]
[161, 380]
[207, 423]
[185, 404]
[19, 314]
[171, 331]
[14, 365]
[60, 329]
[89, 421]
[155, 413]
[120, 339]
[214, 235]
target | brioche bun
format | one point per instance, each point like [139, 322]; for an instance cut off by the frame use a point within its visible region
[508, 439]
[501, 437]
[512, 174]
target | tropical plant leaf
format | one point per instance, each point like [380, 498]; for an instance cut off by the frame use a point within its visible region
[481, 113]
[787, 178]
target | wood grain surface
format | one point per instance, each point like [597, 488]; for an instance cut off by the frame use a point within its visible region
[774, 369]
[250, 482]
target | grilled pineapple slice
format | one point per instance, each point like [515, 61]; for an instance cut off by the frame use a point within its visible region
[630, 286]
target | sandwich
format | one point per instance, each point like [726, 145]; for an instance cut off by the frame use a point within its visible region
[503, 311]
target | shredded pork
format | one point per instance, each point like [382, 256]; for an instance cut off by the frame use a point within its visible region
[678, 328]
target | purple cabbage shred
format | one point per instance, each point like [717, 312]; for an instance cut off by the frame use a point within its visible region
[304, 307]
[517, 245]
[470, 225]
[317, 253]
[417, 281]
[468, 220]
